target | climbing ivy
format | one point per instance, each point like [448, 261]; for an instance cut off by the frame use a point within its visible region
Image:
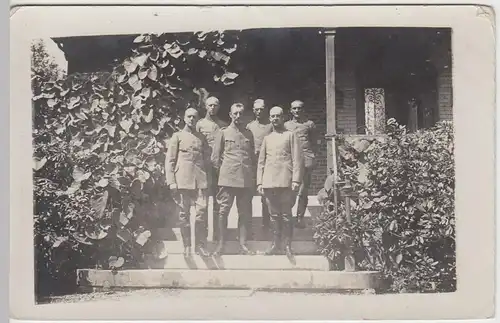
[100, 141]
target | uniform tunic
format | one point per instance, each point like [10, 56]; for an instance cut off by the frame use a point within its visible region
[306, 134]
[280, 160]
[259, 131]
[209, 129]
[233, 155]
[186, 166]
[187, 160]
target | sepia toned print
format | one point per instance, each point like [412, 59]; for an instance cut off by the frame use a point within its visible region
[268, 162]
[126, 132]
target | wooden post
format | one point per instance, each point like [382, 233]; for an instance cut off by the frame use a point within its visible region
[331, 128]
[331, 109]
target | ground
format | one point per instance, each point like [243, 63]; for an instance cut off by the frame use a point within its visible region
[210, 304]
[164, 293]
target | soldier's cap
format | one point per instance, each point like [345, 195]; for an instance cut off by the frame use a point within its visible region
[297, 104]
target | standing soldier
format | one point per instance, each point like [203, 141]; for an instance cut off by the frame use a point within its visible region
[185, 167]
[260, 127]
[279, 175]
[306, 133]
[233, 156]
[209, 126]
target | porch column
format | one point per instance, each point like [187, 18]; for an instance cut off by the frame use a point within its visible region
[330, 97]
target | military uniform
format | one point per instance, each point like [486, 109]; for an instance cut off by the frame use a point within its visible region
[233, 155]
[209, 128]
[259, 131]
[306, 134]
[185, 165]
[280, 164]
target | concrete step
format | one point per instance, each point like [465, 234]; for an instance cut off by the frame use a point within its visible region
[229, 279]
[258, 233]
[233, 247]
[238, 262]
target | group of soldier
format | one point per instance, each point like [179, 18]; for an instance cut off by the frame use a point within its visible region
[230, 162]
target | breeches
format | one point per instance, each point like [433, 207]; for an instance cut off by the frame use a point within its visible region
[186, 198]
[279, 201]
[243, 196]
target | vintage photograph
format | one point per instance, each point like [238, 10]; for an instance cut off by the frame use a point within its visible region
[314, 160]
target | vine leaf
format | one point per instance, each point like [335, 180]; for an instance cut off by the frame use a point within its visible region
[116, 262]
[38, 163]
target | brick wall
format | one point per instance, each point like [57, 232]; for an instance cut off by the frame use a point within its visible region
[346, 102]
[441, 57]
[318, 115]
[445, 95]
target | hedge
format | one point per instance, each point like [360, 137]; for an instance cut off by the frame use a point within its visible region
[403, 219]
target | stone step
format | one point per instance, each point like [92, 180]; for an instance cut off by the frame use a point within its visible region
[229, 279]
[238, 262]
[258, 233]
[233, 247]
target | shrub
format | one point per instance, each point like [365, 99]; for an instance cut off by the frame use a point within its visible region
[403, 220]
[99, 146]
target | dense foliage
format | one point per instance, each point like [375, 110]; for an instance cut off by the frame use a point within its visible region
[403, 220]
[99, 146]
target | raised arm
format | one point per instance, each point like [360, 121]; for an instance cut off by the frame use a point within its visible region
[171, 159]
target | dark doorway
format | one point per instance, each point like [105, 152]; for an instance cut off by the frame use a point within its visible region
[398, 61]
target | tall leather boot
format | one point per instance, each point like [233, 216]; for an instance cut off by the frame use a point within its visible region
[265, 215]
[243, 233]
[301, 210]
[201, 240]
[287, 236]
[222, 225]
[186, 240]
[275, 225]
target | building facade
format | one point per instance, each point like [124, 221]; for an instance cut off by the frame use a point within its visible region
[351, 79]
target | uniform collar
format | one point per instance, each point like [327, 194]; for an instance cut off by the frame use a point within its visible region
[187, 129]
[232, 125]
[300, 120]
[279, 130]
[257, 121]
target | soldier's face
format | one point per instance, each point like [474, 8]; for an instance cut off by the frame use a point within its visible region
[190, 118]
[212, 107]
[296, 111]
[236, 114]
[276, 118]
[258, 111]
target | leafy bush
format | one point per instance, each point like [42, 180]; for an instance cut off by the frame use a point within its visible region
[403, 220]
[99, 146]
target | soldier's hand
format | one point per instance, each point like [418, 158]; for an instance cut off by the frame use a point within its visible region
[173, 187]
[260, 190]
[295, 186]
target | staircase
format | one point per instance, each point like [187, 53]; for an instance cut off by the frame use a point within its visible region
[306, 270]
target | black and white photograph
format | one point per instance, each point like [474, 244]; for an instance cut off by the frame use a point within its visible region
[306, 162]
